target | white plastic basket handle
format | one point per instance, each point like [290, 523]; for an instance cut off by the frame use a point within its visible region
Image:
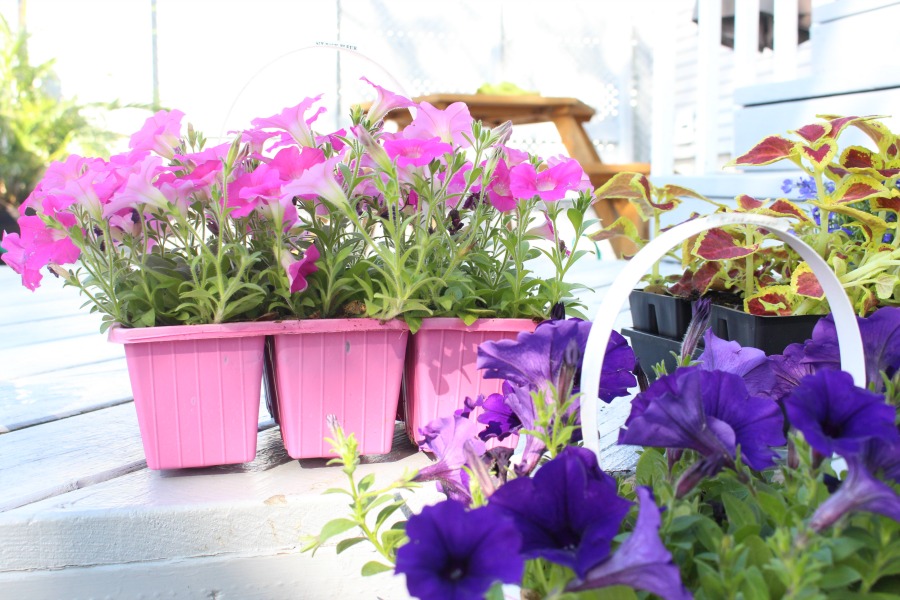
[849, 340]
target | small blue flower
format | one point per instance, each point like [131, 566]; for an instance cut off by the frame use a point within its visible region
[455, 554]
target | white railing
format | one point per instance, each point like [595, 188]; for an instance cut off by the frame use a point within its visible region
[710, 75]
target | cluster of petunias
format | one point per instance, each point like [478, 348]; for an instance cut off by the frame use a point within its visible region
[436, 219]
[548, 519]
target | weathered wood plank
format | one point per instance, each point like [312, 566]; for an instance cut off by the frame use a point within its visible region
[14, 335]
[52, 356]
[53, 458]
[283, 575]
[36, 399]
[261, 507]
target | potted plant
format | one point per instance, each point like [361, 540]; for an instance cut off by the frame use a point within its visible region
[159, 253]
[738, 491]
[764, 295]
[478, 212]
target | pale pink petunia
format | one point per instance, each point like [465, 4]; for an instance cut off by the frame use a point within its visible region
[36, 247]
[499, 194]
[256, 139]
[375, 154]
[544, 230]
[337, 144]
[161, 133]
[449, 124]
[318, 180]
[514, 157]
[293, 120]
[139, 190]
[457, 185]
[550, 184]
[385, 102]
[416, 152]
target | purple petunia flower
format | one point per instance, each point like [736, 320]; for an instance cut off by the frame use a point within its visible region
[535, 360]
[881, 343]
[447, 438]
[455, 554]
[836, 416]
[642, 561]
[499, 416]
[750, 363]
[860, 492]
[568, 513]
[707, 411]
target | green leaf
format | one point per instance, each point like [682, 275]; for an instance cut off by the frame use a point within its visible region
[391, 538]
[754, 586]
[335, 527]
[651, 467]
[839, 576]
[366, 482]
[374, 568]
[386, 512]
[344, 544]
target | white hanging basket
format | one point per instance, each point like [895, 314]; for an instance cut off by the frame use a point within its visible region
[850, 342]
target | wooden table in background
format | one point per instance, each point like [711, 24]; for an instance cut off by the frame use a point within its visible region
[569, 115]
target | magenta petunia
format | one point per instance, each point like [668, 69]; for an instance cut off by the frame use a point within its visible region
[550, 184]
[299, 270]
[161, 133]
[139, 189]
[452, 125]
[499, 194]
[415, 152]
[35, 247]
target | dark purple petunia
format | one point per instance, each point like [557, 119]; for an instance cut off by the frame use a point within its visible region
[789, 370]
[881, 343]
[498, 415]
[455, 554]
[707, 411]
[882, 457]
[860, 492]
[535, 360]
[447, 438]
[750, 363]
[642, 561]
[568, 513]
[836, 416]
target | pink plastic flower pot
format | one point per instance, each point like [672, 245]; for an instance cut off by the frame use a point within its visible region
[440, 367]
[196, 391]
[350, 368]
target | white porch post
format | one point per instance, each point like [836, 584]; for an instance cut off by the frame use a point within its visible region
[662, 156]
[707, 117]
[785, 40]
[746, 42]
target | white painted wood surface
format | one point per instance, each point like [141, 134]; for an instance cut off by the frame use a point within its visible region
[83, 518]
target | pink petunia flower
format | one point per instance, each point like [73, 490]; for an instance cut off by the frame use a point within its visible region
[139, 190]
[36, 247]
[584, 184]
[550, 184]
[385, 102]
[416, 152]
[318, 180]
[449, 124]
[161, 133]
[298, 270]
[499, 194]
[293, 120]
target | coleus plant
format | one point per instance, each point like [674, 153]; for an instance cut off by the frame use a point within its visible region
[857, 184]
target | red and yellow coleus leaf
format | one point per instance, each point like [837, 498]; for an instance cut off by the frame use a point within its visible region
[695, 284]
[838, 123]
[769, 150]
[889, 202]
[621, 227]
[748, 203]
[819, 154]
[785, 208]
[864, 300]
[633, 187]
[856, 188]
[718, 244]
[775, 300]
[814, 131]
[804, 282]
[858, 157]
